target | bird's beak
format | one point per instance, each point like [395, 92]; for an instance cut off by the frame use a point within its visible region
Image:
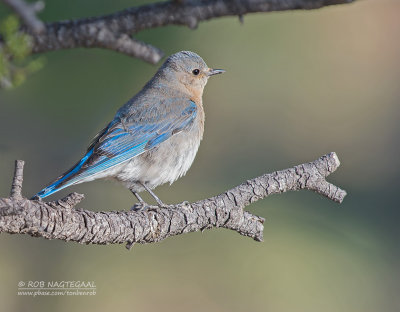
[212, 72]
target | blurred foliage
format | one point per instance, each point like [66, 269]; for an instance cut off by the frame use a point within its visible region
[15, 63]
[297, 85]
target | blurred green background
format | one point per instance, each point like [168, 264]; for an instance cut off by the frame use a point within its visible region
[298, 85]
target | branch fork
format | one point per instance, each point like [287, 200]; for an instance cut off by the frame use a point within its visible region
[27, 12]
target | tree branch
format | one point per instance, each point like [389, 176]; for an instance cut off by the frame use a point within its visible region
[59, 219]
[27, 12]
[110, 31]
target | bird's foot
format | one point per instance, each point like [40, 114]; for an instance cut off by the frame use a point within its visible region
[143, 206]
[162, 205]
[182, 204]
[139, 207]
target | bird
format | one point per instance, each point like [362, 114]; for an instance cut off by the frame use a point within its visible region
[153, 138]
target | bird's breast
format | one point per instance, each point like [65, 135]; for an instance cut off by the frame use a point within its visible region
[168, 161]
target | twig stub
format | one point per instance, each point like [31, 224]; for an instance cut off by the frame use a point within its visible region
[16, 186]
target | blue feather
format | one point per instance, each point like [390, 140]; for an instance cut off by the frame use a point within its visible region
[52, 188]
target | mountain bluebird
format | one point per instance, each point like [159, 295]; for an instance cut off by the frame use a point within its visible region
[153, 139]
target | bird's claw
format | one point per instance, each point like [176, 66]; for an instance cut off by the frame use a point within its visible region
[139, 207]
[145, 206]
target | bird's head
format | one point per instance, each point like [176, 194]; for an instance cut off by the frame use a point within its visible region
[189, 70]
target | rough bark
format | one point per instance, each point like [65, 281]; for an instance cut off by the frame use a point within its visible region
[60, 220]
[114, 31]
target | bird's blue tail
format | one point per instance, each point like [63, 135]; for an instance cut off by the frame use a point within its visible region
[65, 180]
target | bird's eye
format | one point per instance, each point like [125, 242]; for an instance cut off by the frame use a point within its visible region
[196, 72]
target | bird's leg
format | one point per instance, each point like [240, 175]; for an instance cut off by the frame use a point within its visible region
[159, 201]
[141, 205]
[140, 199]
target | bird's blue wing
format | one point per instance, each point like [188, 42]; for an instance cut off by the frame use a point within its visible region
[123, 139]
